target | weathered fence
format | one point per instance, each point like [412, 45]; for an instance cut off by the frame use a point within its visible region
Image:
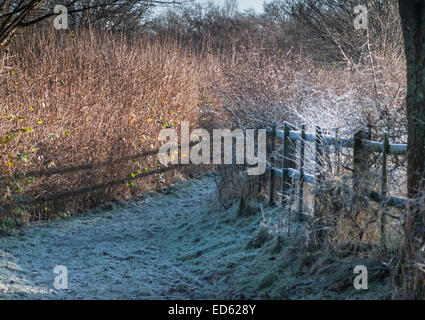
[288, 171]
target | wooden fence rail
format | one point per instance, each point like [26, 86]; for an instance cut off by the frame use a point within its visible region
[287, 171]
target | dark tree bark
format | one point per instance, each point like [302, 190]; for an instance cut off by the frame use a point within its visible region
[413, 19]
[412, 14]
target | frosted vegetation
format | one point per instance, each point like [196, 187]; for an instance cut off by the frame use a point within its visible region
[174, 245]
[81, 110]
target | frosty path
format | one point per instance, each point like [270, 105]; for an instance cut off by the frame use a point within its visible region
[157, 247]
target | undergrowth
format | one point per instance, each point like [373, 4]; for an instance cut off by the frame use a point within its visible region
[80, 116]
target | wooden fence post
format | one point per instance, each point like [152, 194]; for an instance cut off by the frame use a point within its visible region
[301, 183]
[318, 165]
[337, 151]
[262, 179]
[360, 177]
[288, 161]
[358, 158]
[384, 188]
[385, 150]
[282, 165]
[272, 160]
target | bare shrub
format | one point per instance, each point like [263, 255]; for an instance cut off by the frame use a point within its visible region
[363, 90]
[81, 112]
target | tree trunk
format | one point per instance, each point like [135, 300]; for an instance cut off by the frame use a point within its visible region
[412, 14]
[413, 20]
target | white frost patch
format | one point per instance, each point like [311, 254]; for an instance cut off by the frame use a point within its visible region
[174, 245]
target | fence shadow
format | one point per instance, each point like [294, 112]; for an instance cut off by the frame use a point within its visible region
[82, 188]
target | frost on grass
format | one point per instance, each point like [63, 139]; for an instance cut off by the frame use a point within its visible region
[178, 245]
[14, 281]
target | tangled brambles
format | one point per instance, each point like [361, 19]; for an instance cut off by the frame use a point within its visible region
[414, 247]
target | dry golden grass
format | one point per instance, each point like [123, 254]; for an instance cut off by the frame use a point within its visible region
[87, 108]
[80, 114]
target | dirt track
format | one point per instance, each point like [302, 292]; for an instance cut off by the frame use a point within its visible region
[158, 247]
[125, 253]
[175, 245]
